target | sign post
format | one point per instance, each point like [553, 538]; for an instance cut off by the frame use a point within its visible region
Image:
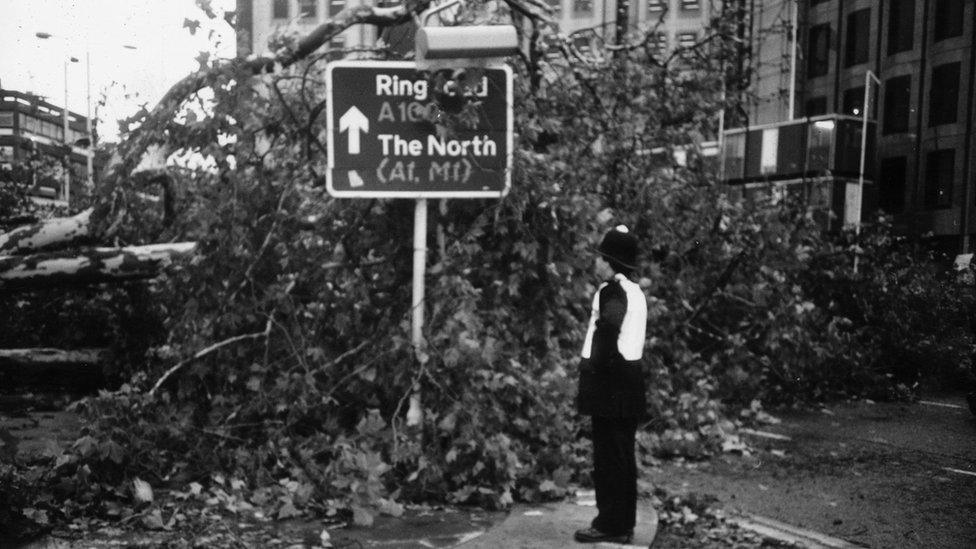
[383, 143]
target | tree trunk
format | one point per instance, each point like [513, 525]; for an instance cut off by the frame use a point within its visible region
[62, 230]
[88, 266]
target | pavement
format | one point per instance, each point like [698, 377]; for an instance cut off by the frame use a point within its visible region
[553, 525]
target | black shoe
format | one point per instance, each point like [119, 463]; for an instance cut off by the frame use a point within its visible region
[592, 535]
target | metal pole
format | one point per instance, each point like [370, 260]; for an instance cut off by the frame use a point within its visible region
[419, 268]
[88, 122]
[67, 154]
[415, 414]
[793, 22]
[868, 75]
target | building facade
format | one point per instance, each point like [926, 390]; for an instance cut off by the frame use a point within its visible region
[922, 54]
[32, 128]
[260, 20]
[677, 22]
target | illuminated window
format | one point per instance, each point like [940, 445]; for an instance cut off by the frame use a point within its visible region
[690, 5]
[656, 5]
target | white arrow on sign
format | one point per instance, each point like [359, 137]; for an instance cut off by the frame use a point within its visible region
[354, 121]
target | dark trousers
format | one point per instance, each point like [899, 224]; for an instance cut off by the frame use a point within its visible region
[615, 474]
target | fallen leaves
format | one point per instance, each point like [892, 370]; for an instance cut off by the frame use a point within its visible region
[142, 492]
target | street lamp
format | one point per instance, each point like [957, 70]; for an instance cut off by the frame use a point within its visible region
[868, 77]
[88, 114]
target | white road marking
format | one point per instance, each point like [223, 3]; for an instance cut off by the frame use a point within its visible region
[941, 404]
[470, 536]
[960, 471]
[764, 434]
[791, 534]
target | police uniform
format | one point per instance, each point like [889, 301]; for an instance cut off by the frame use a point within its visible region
[612, 391]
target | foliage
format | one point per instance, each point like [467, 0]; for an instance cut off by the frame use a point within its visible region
[911, 315]
[286, 362]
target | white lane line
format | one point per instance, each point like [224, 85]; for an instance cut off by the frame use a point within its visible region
[782, 531]
[941, 404]
[469, 536]
[764, 434]
[960, 471]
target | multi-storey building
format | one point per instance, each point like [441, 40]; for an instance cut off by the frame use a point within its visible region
[260, 20]
[922, 52]
[677, 22]
[31, 126]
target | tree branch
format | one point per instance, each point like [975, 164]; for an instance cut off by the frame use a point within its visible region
[207, 351]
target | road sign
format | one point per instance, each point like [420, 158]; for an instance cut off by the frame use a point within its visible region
[381, 143]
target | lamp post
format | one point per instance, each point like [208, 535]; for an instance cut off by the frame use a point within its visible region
[868, 77]
[88, 113]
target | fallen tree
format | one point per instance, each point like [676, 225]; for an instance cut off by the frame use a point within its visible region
[88, 266]
[47, 233]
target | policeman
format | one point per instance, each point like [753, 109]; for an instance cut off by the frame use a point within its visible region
[611, 387]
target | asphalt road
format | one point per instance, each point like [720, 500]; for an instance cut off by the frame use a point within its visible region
[876, 475]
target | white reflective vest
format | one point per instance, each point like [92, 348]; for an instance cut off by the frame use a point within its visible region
[630, 342]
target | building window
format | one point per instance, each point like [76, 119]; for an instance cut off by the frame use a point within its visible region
[687, 39]
[815, 106]
[658, 43]
[690, 5]
[335, 6]
[858, 32]
[656, 5]
[582, 7]
[939, 171]
[279, 9]
[337, 43]
[901, 26]
[897, 107]
[6, 119]
[948, 19]
[308, 9]
[854, 101]
[818, 50]
[944, 94]
[891, 185]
